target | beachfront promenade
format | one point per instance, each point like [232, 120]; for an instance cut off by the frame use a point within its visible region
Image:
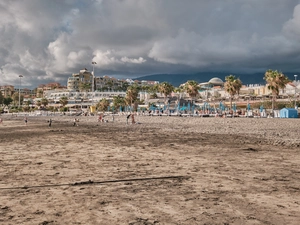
[145, 113]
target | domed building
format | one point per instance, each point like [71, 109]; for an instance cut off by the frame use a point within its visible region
[216, 81]
[212, 83]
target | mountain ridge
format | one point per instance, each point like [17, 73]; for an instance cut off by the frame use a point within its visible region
[177, 79]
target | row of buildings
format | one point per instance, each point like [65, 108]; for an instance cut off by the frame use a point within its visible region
[85, 88]
[84, 81]
[214, 89]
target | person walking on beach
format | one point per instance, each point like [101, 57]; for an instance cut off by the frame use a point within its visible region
[50, 122]
[101, 118]
[132, 119]
[25, 121]
[1, 120]
[75, 122]
[128, 118]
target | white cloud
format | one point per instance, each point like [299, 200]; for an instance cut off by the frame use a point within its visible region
[105, 58]
[49, 40]
[130, 60]
[291, 28]
[58, 52]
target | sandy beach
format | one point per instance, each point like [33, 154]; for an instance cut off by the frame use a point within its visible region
[163, 170]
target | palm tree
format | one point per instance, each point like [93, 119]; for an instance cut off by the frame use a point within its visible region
[124, 86]
[166, 89]
[118, 101]
[84, 86]
[7, 101]
[28, 102]
[178, 90]
[275, 81]
[63, 101]
[152, 90]
[38, 103]
[44, 102]
[110, 85]
[192, 88]
[103, 104]
[132, 94]
[232, 86]
[40, 93]
[1, 98]
[15, 98]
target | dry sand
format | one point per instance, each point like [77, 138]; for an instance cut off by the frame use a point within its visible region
[165, 170]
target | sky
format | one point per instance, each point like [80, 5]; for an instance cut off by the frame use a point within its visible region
[49, 40]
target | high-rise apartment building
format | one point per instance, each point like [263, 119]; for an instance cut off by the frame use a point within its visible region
[81, 81]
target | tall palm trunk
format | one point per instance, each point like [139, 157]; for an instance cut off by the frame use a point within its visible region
[273, 101]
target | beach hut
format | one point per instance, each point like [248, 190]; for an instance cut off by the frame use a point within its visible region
[288, 113]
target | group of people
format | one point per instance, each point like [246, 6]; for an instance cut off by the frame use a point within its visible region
[75, 120]
[102, 120]
[132, 118]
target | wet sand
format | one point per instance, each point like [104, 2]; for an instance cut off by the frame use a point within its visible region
[164, 170]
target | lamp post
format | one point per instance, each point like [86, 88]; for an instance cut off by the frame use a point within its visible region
[93, 75]
[295, 88]
[93, 85]
[20, 91]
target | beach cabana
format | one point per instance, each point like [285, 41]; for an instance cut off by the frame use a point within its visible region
[288, 113]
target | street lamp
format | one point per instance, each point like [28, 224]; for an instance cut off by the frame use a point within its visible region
[93, 85]
[20, 90]
[295, 87]
[93, 76]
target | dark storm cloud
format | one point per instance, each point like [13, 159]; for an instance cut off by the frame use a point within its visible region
[49, 40]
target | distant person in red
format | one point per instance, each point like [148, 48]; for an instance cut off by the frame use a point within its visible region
[100, 119]
[132, 119]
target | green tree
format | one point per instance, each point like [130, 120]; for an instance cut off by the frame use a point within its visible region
[28, 102]
[63, 101]
[63, 109]
[15, 98]
[26, 108]
[232, 86]
[102, 105]
[124, 86]
[110, 85]
[40, 93]
[192, 88]
[1, 98]
[275, 81]
[84, 86]
[178, 91]
[132, 94]
[166, 89]
[118, 101]
[44, 102]
[145, 88]
[7, 101]
[38, 103]
[152, 90]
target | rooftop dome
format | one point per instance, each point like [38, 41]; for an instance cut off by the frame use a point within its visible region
[216, 81]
